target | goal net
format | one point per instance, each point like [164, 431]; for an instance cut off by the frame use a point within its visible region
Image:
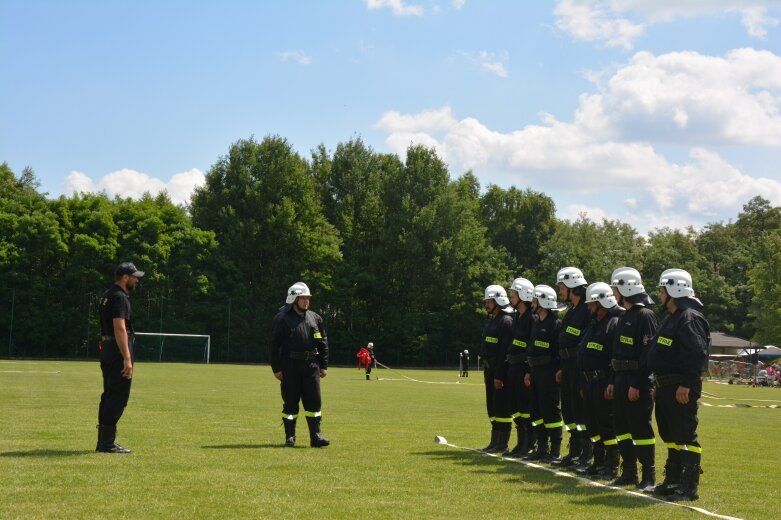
[159, 346]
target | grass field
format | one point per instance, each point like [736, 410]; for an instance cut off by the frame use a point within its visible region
[206, 442]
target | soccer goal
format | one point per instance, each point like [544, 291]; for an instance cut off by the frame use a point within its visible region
[162, 346]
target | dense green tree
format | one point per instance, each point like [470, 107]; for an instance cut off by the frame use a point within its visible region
[262, 203]
[520, 222]
[765, 280]
[596, 249]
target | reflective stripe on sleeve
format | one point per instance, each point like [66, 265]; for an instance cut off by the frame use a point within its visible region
[643, 442]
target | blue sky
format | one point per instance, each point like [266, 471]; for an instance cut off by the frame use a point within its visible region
[654, 112]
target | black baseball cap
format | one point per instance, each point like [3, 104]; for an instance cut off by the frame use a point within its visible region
[128, 268]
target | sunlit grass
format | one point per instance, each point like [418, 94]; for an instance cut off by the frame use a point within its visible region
[206, 442]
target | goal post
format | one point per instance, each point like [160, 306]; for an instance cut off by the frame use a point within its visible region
[180, 343]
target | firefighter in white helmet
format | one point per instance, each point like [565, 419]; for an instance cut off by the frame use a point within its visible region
[594, 355]
[299, 359]
[678, 356]
[543, 360]
[496, 339]
[629, 385]
[572, 289]
[521, 296]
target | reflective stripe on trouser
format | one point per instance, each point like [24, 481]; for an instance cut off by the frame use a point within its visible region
[496, 403]
[632, 416]
[571, 402]
[598, 412]
[519, 395]
[546, 392]
[677, 422]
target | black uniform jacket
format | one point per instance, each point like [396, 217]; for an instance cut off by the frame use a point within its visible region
[522, 331]
[573, 326]
[596, 348]
[544, 340]
[632, 340]
[293, 332]
[682, 343]
[497, 338]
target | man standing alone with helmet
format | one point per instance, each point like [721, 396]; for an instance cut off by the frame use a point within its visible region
[299, 359]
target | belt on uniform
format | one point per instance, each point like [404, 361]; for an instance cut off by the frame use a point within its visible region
[303, 355]
[622, 365]
[595, 375]
[567, 353]
[661, 380]
[514, 359]
[539, 360]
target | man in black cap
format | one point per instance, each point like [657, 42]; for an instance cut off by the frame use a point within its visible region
[116, 354]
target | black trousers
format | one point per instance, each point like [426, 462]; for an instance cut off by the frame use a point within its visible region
[497, 402]
[519, 393]
[677, 422]
[116, 387]
[571, 402]
[547, 394]
[632, 417]
[300, 382]
[599, 411]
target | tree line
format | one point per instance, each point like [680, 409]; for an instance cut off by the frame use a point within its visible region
[395, 250]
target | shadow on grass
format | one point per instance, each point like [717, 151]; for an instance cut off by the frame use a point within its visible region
[46, 453]
[539, 480]
[241, 446]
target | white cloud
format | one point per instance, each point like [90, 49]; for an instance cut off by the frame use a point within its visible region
[398, 7]
[593, 22]
[299, 57]
[132, 183]
[458, 4]
[609, 151]
[620, 22]
[489, 61]
[689, 97]
[757, 21]
[78, 182]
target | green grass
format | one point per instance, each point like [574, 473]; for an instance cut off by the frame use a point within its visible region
[207, 439]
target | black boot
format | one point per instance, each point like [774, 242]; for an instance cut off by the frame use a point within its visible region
[610, 472]
[107, 434]
[646, 456]
[689, 486]
[672, 476]
[368, 377]
[502, 438]
[555, 446]
[598, 450]
[628, 465]
[290, 432]
[316, 440]
[542, 446]
[574, 452]
[491, 444]
[519, 434]
[529, 439]
[586, 452]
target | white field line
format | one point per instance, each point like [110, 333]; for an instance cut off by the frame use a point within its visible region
[442, 441]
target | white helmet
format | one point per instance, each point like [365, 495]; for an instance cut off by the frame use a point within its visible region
[677, 282]
[546, 296]
[571, 277]
[497, 294]
[370, 345]
[602, 293]
[628, 281]
[296, 290]
[524, 288]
